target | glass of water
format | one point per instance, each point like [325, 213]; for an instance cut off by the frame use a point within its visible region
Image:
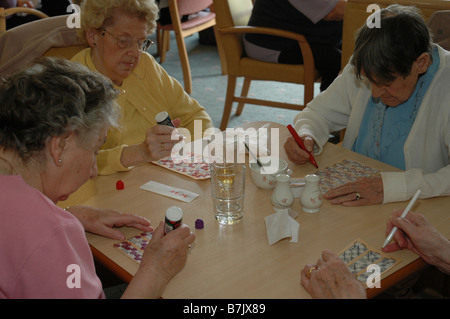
[227, 189]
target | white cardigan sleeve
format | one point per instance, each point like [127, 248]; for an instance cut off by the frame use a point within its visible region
[332, 110]
[401, 186]
[427, 149]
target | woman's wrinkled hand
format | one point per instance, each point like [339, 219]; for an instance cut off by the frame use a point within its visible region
[295, 153]
[105, 221]
[365, 191]
[330, 278]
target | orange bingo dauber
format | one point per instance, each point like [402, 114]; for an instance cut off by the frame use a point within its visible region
[302, 146]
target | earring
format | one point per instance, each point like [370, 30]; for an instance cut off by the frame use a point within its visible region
[60, 161]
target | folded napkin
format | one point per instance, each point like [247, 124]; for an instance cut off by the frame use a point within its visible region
[282, 225]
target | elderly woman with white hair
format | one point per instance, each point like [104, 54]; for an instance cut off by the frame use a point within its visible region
[54, 117]
[117, 34]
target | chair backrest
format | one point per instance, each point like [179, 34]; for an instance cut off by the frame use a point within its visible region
[439, 24]
[241, 11]
[356, 15]
[230, 13]
[4, 13]
[186, 7]
[22, 44]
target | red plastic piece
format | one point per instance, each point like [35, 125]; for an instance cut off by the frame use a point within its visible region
[120, 185]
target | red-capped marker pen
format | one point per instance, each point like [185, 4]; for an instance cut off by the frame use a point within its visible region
[300, 143]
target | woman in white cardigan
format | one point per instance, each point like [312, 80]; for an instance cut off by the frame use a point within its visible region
[394, 101]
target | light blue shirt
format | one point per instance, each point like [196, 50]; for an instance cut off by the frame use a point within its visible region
[384, 130]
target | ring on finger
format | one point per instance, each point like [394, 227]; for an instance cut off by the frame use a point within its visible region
[308, 275]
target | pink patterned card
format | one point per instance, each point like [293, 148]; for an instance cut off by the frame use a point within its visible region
[193, 166]
[134, 246]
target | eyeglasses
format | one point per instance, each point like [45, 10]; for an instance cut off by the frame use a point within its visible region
[124, 42]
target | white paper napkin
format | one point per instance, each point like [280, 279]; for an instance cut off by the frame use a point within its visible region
[177, 193]
[282, 225]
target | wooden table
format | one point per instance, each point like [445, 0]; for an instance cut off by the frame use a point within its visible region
[237, 261]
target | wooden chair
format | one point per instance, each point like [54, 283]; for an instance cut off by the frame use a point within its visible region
[7, 12]
[231, 23]
[44, 37]
[439, 24]
[356, 15]
[202, 21]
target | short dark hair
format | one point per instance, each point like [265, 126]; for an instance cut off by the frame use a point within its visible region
[390, 50]
[49, 98]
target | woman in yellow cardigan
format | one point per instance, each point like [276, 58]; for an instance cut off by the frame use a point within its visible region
[117, 33]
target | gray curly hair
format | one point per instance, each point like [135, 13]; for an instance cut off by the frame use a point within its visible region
[49, 98]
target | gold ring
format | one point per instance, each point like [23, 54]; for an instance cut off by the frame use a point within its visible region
[358, 196]
[308, 275]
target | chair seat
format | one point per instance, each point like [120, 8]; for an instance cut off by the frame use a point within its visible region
[199, 19]
[268, 71]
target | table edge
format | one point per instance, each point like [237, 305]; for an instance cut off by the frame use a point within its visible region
[386, 283]
[396, 277]
[111, 265]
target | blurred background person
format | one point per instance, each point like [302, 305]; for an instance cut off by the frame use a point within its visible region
[320, 21]
[49, 7]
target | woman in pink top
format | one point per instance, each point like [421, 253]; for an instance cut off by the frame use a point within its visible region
[54, 117]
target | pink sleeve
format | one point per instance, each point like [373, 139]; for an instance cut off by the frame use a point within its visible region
[62, 266]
